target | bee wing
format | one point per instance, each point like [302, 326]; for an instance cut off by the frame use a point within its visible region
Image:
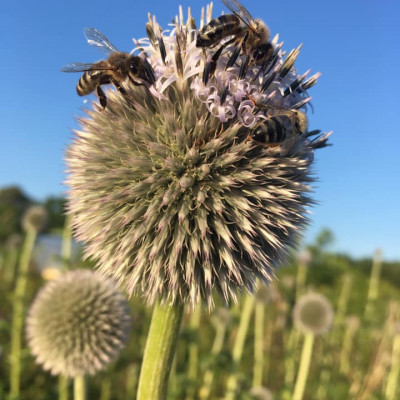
[239, 10]
[81, 67]
[76, 67]
[96, 38]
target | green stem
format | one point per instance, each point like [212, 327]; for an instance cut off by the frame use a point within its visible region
[301, 279]
[394, 374]
[239, 345]
[19, 314]
[304, 366]
[193, 362]
[66, 244]
[346, 351]
[258, 344]
[218, 344]
[343, 299]
[159, 352]
[79, 388]
[373, 290]
[63, 387]
[131, 381]
[105, 389]
[290, 351]
[8, 273]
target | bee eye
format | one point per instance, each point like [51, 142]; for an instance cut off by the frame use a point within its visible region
[263, 51]
[134, 69]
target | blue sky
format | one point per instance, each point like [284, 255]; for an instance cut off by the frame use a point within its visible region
[354, 43]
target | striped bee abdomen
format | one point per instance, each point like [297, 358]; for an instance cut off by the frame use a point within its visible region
[218, 29]
[273, 130]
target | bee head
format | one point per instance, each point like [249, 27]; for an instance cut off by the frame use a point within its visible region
[140, 70]
[134, 65]
[263, 52]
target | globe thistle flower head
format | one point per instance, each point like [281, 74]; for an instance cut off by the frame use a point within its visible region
[77, 324]
[35, 218]
[221, 316]
[168, 190]
[313, 313]
[267, 294]
[261, 393]
[304, 257]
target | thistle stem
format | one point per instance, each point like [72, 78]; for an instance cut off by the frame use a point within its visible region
[258, 344]
[66, 244]
[193, 352]
[373, 290]
[19, 313]
[79, 388]
[205, 390]
[63, 382]
[304, 366]
[237, 351]
[159, 352]
[394, 374]
[301, 279]
[8, 273]
[343, 299]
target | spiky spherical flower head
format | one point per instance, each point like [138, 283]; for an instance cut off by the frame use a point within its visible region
[313, 313]
[168, 188]
[35, 218]
[78, 324]
[221, 316]
[261, 393]
[267, 294]
[304, 257]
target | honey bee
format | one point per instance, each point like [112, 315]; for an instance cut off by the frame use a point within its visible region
[250, 36]
[282, 127]
[115, 70]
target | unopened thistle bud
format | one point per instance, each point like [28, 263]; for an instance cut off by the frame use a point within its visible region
[35, 218]
[169, 189]
[78, 324]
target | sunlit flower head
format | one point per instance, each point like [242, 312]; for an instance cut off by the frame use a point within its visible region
[261, 393]
[304, 257]
[171, 194]
[221, 316]
[313, 313]
[77, 324]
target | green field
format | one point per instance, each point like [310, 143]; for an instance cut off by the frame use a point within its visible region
[225, 353]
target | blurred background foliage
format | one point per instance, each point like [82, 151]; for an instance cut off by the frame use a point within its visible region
[355, 360]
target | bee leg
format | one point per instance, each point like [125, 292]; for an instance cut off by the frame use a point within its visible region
[149, 71]
[233, 57]
[102, 97]
[211, 65]
[118, 86]
[243, 67]
[235, 53]
[209, 70]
